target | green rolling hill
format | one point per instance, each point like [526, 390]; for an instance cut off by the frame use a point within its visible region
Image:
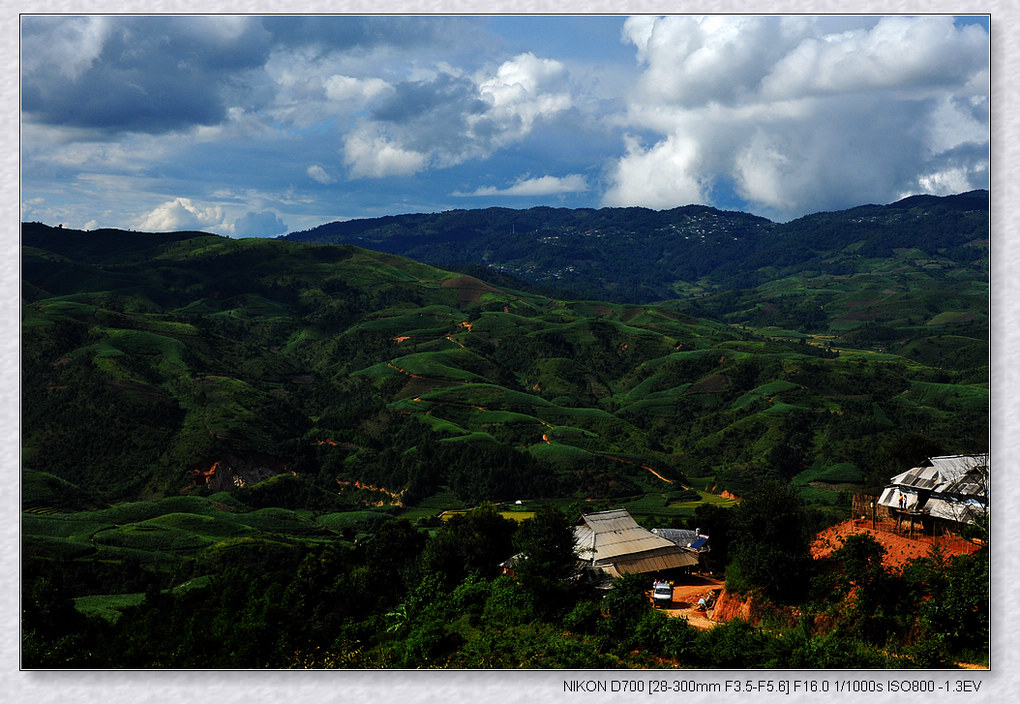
[198, 409]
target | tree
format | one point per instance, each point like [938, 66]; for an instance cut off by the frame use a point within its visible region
[546, 543]
[545, 546]
[471, 543]
[952, 598]
[716, 522]
[624, 607]
[770, 543]
[391, 555]
[902, 452]
[868, 589]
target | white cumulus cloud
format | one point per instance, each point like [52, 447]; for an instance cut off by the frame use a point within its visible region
[317, 173]
[539, 186]
[262, 224]
[356, 89]
[522, 92]
[662, 176]
[182, 214]
[793, 114]
[373, 155]
[448, 117]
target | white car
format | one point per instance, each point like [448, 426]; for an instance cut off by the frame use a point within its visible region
[662, 593]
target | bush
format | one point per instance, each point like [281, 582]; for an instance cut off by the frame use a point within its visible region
[508, 603]
[585, 617]
[625, 605]
[426, 644]
[735, 644]
[670, 637]
[834, 650]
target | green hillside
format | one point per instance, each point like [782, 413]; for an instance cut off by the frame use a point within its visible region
[337, 363]
[196, 406]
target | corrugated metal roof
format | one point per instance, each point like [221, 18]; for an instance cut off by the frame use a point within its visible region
[947, 473]
[891, 497]
[954, 466]
[655, 562]
[973, 483]
[615, 537]
[959, 511]
[919, 478]
[967, 485]
[952, 481]
[683, 537]
[678, 536]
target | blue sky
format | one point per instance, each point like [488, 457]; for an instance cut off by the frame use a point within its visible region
[257, 126]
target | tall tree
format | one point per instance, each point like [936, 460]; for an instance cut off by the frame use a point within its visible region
[770, 543]
[546, 557]
[471, 543]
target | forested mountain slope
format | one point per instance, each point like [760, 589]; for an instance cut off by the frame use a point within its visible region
[236, 453]
[152, 362]
[637, 255]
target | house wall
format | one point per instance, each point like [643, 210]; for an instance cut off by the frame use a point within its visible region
[866, 506]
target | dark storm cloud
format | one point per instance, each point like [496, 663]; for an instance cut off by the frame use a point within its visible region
[144, 74]
[155, 74]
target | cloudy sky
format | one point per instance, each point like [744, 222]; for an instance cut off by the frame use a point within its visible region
[257, 126]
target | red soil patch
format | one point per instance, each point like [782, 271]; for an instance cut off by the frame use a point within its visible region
[900, 548]
[724, 606]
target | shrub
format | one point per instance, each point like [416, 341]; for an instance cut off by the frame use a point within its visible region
[508, 603]
[585, 617]
[735, 644]
[671, 637]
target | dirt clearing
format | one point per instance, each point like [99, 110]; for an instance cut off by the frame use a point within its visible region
[686, 596]
[899, 548]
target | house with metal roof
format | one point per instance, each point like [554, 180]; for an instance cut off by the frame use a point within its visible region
[953, 489]
[688, 539]
[612, 544]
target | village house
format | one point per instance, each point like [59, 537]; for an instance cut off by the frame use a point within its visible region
[942, 495]
[610, 544]
[693, 541]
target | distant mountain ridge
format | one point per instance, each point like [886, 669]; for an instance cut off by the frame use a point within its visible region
[642, 255]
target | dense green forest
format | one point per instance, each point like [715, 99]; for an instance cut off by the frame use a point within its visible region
[238, 453]
[724, 261]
